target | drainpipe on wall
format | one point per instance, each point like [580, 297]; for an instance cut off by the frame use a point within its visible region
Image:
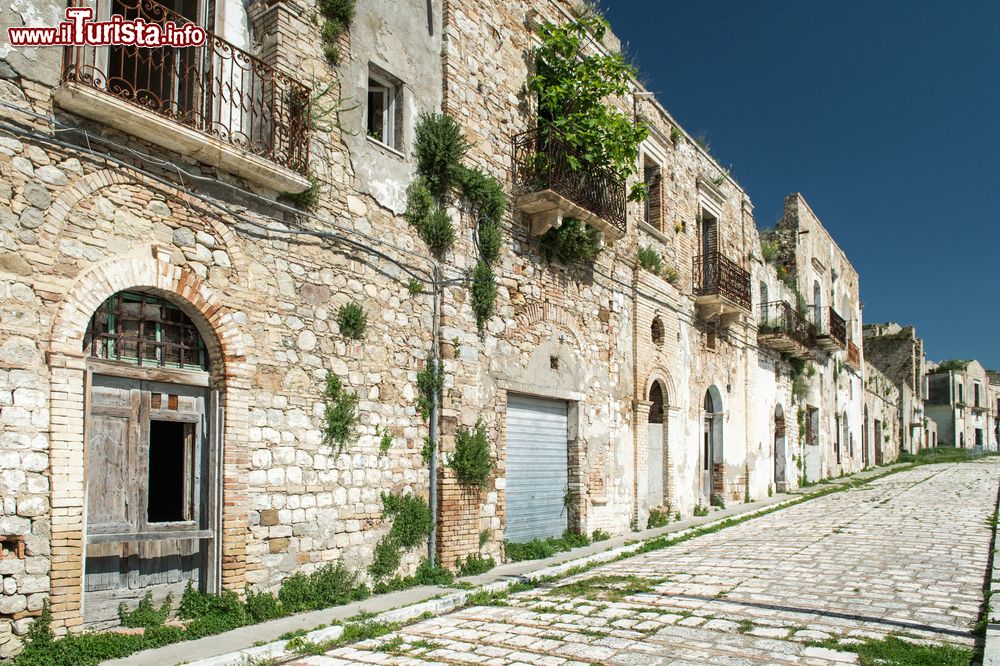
[435, 330]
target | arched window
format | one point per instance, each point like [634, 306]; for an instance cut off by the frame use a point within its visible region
[656, 331]
[142, 329]
[763, 293]
[656, 397]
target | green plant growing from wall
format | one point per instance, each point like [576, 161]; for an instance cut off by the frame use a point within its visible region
[426, 450]
[573, 85]
[472, 461]
[769, 250]
[440, 148]
[430, 382]
[385, 442]
[675, 134]
[340, 417]
[411, 524]
[657, 518]
[414, 286]
[337, 16]
[572, 242]
[484, 292]
[304, 199]
[352, 320]
[649, 259]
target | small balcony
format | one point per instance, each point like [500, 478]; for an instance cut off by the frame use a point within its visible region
[783, 329]
[214, 102]
[721, 287]
[853, 356]
[550, 184]
[831, 330]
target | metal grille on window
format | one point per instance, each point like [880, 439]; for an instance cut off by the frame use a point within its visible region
[147, 331]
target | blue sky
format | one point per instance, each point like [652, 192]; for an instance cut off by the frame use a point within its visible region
[884, 114]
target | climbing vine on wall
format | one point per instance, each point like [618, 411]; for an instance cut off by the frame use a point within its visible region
[573, 87]
[440, 148]
[411, 523]
[337, 16]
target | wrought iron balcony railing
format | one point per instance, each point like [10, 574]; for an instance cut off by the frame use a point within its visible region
[542, 161]
[831, 328]
[781, 323]
[217, 88]
[853, 355]
[717, 275]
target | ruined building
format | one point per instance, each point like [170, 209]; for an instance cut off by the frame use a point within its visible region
[897, 351]
[962, 403]
[164, 310]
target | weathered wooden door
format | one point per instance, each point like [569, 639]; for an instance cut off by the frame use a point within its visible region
[148, 523]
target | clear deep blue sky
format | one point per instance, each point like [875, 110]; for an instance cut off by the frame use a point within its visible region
[884, 114]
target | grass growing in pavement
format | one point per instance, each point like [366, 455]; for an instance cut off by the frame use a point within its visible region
[893, 651]
[607, 588]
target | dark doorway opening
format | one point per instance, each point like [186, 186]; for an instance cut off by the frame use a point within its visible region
[170, 467]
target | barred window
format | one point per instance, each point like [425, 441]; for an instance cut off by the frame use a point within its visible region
[142, 329]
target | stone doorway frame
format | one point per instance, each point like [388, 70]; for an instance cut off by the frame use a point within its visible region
[148, 268]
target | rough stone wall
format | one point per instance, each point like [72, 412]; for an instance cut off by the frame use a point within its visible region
[811, 256]
[73, 227]
[897, 351]
[66, 219]
[882, 403]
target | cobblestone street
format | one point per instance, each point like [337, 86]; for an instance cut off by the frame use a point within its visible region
[905, 555]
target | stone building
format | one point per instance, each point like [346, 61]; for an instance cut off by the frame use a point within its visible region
[163, 309]
[994, 408]
[826, 292]
[899, 354]
[960, 401]
[882, 427]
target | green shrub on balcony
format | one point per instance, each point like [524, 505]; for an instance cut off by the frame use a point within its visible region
[573, 84]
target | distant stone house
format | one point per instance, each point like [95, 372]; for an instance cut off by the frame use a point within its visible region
[168, 330]
[899, 353]
[960, 402]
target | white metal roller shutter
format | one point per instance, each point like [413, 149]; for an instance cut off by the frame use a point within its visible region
[537, 468]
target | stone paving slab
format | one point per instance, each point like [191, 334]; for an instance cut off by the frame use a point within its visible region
[905, 555]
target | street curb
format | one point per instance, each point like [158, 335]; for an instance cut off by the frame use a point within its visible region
[278, 649]
[991, 641]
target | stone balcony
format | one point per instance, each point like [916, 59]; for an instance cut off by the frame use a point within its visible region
[831, 330]
[215, 103]
[781, 328]
[550, 186]
[721, 288]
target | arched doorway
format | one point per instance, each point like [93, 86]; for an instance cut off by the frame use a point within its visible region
[656, 453]
[712, 478]
[151, 454]
[865, 457]
[779, 449]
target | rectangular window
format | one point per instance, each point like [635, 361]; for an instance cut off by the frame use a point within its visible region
[975, 394]
[812, 426]
[384, 123]
[961, 393]
[652, 212]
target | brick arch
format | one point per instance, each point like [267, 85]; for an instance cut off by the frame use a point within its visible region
[547, 313]
[93, 183]
[662, 375]
[148, 268]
